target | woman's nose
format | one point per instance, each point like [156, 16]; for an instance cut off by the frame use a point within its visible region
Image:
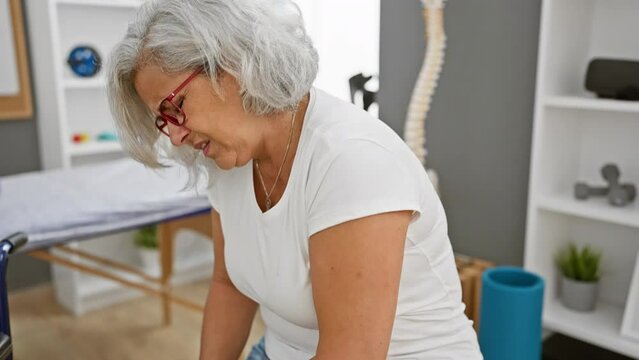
[177, 134]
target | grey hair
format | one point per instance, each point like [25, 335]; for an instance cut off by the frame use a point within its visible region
[262, 43]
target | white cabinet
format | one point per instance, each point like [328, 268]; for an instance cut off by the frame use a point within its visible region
[66, 105]
[574, 135]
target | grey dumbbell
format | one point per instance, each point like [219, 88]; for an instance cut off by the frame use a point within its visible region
[618, 194]
[583, 191]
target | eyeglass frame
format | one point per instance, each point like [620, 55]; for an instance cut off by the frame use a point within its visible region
[162, 121]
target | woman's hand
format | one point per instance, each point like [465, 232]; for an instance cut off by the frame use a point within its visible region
[355, 273]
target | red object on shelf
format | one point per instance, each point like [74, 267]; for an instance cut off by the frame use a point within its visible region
[80, 138]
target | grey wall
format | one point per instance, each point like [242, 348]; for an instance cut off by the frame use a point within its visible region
[18, 146]
[479, 127]
[19, 152]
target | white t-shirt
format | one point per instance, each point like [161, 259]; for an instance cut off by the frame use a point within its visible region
[348, 165]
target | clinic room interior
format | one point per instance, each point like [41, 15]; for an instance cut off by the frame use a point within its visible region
[300, 179]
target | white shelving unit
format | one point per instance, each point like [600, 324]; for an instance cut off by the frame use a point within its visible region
[67, 104]
[587, 103]
[80, 84]
[595, 209]
[95, 148]
[574, 135]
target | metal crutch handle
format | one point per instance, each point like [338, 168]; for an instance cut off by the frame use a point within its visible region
[16, 241]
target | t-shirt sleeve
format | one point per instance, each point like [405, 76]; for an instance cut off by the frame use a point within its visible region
[363, 178]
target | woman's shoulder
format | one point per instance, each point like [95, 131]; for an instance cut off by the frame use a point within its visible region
[336, 119]
[345, 137]
[338, 128]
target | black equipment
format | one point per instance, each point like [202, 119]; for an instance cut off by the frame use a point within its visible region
[613, 79]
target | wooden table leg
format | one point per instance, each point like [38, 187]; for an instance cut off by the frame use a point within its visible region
[165, 237]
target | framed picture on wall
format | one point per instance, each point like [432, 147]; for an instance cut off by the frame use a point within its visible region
[630, 324]
[15, 87]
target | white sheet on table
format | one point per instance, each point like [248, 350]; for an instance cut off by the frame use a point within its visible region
[59, 199]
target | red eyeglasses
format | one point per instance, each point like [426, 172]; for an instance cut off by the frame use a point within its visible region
[171, 112]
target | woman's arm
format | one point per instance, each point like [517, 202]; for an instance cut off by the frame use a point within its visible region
[228, 314]
[355, 272]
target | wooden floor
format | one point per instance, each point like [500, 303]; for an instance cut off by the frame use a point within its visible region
[132, 330]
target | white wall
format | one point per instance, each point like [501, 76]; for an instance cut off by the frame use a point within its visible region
[346, 36]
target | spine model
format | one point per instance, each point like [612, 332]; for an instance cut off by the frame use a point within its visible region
[414, 127]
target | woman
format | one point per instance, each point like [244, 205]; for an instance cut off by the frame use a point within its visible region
[321, 214]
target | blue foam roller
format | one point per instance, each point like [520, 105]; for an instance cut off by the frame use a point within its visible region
[510, 314]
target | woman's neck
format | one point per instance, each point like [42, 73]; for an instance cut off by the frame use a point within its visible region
[275, 140]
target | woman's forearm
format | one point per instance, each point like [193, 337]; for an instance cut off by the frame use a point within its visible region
[228, 316]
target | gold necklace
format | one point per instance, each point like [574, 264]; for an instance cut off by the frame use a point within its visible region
[279, 172]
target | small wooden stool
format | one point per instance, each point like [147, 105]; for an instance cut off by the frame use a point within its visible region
[470, 273]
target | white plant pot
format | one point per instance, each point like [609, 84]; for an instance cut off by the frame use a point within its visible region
[579, 295]
[150, 259]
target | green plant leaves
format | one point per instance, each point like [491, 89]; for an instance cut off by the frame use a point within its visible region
[579, 264]
[146, 237]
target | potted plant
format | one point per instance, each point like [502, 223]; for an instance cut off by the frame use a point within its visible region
[147, 244]
[580, 269]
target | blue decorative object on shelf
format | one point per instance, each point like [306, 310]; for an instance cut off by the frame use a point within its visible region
[84, 61]
[107, 136]
[510, 316]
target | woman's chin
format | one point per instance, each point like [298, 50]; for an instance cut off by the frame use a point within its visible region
[224, 166]
[223, 162]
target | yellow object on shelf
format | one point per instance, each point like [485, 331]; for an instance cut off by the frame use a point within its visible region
[81, 137]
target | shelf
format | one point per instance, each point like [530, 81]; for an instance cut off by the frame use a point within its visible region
[88, 83]
[586, 103]
[594, 208]
[95, 148]
[601, 327]
[105, 3]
